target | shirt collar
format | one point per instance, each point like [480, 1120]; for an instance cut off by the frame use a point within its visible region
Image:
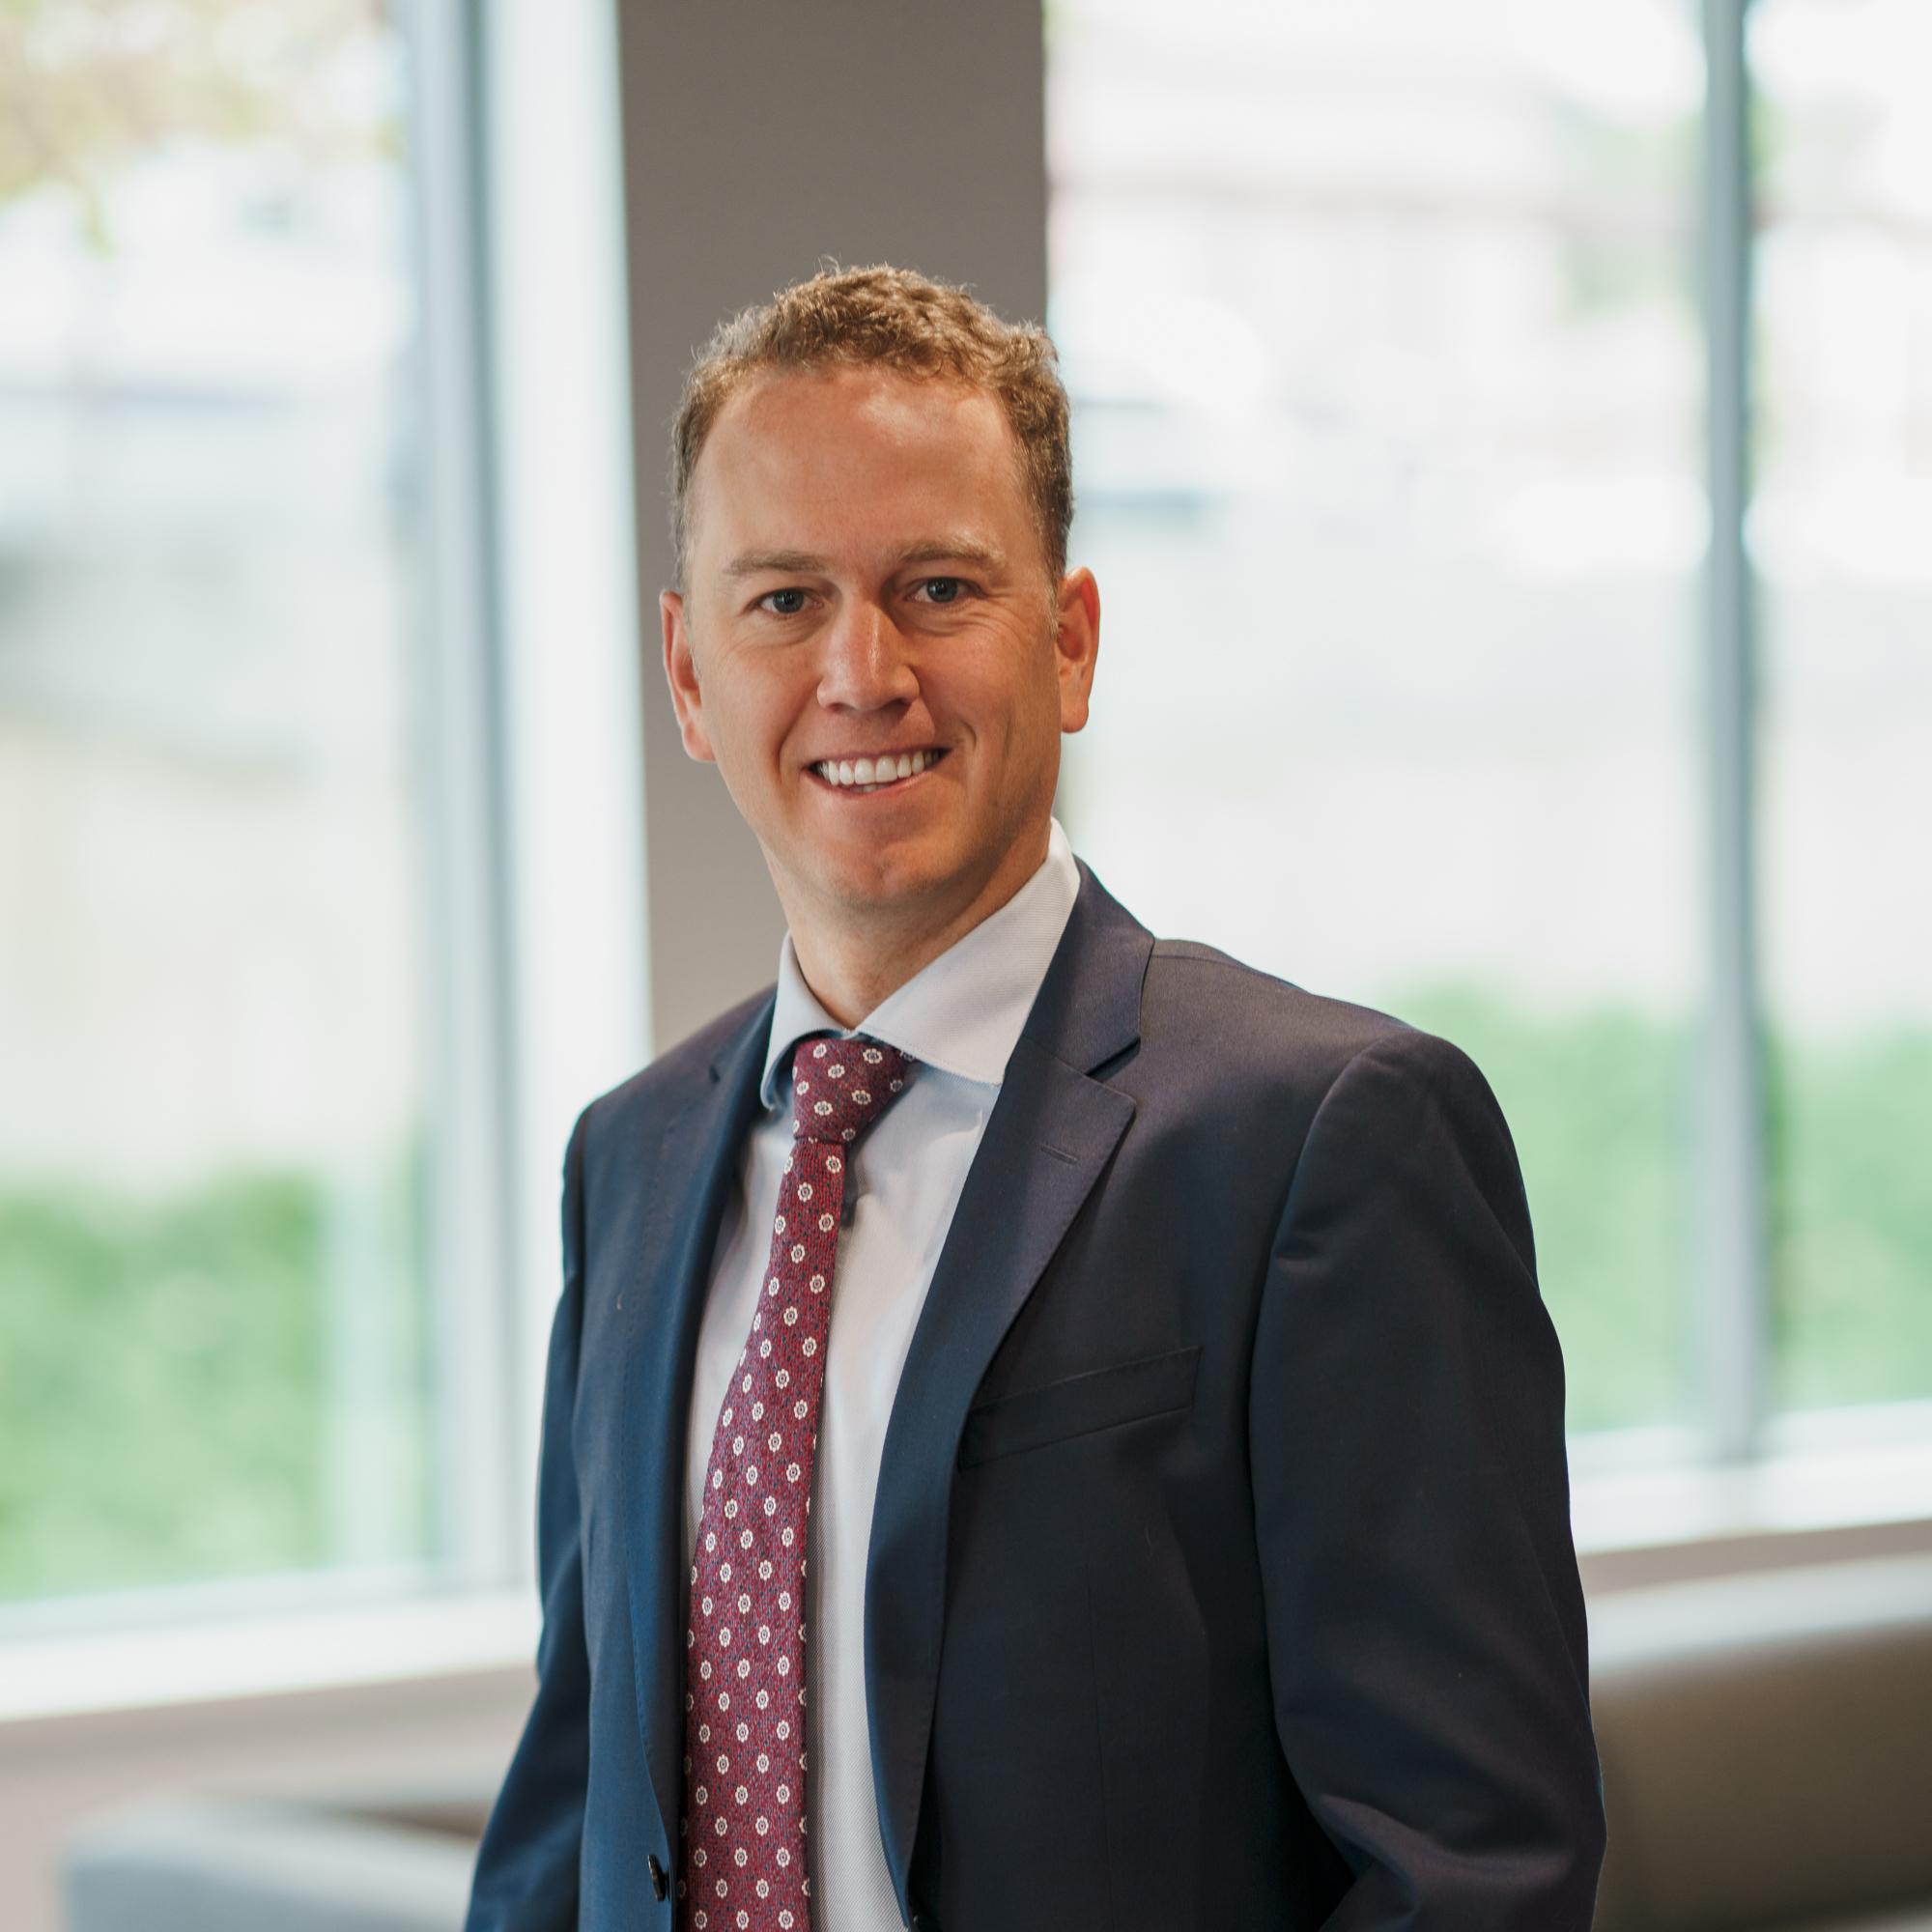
[961, 1012]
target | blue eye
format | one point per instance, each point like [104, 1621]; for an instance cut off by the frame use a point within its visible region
[953, 584]
[790, 609]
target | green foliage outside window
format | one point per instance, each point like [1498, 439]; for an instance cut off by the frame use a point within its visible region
[177, 1395]
[169, 1409]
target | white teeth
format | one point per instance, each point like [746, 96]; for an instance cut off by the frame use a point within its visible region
[869, 773]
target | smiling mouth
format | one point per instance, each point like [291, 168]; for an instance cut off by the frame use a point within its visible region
[851, 787]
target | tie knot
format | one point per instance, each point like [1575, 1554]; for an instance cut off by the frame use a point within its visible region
[840, 1086]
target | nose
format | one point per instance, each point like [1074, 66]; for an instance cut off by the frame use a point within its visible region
[864, 665]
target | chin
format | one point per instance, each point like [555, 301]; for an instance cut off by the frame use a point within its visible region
[874, 877]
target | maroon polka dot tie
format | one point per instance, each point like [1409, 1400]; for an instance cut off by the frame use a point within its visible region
[741, 1840]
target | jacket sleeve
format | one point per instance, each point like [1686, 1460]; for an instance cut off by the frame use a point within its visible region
[525, 1878]
[1428, 1651]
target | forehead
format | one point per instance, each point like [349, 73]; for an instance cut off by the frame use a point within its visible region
[805, 457]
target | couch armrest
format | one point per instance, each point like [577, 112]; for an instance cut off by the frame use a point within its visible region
[1765, 1751]
[236, 1865]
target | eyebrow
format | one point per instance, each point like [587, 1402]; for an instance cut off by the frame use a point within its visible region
[956, 547]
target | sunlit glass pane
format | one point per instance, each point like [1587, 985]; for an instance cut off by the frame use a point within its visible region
[1840, 535]
[211, 1290]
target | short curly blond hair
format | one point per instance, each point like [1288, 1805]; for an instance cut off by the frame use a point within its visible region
[895, 318]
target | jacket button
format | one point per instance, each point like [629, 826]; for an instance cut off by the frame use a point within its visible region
[658, 1882]
[924, 1921]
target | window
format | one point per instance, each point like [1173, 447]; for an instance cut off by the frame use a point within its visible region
[1395, 417]
[320, 867]
[214, 962]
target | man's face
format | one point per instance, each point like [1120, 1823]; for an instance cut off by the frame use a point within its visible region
[866, 579]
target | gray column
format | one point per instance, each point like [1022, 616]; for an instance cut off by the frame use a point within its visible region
[758, 136]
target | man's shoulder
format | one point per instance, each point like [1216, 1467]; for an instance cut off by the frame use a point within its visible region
[1249, 1005]
[1246, 1025]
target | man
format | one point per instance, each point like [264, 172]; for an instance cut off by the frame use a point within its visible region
[1046, 1429]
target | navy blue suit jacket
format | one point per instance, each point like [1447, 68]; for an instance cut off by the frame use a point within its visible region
[1221, 1571]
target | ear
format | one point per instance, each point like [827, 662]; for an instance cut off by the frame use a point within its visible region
[1077, 643]
[681, 673]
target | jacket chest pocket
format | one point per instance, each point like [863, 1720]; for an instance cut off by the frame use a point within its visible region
[1078, 1406]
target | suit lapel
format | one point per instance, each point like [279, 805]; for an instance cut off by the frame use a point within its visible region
[1051, 1132]
[687, 1178]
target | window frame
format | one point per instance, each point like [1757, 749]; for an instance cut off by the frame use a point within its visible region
[1731, 1257]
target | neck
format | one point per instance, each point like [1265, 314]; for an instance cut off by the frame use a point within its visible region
[853, 962]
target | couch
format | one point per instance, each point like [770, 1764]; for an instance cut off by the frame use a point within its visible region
[1766, 1744]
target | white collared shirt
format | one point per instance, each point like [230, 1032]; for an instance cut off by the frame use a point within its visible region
[961, 1015]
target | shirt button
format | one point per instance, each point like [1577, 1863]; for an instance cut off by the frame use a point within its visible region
[657, 1883]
